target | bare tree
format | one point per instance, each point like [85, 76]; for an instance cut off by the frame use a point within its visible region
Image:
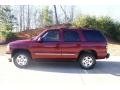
[35, 18]
[56, 17]
[28, 17]
[23, 16]
[65, 13]
[72, 13]
[68, 16]
[20, 19]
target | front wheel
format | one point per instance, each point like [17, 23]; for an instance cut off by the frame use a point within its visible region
[87, 61]
[21, 59]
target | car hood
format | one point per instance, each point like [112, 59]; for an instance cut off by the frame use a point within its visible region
[19, 42]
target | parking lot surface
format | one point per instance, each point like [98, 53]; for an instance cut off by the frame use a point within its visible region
[59, 75]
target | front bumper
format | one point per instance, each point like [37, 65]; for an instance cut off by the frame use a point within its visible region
[8, 55]
[8, 52]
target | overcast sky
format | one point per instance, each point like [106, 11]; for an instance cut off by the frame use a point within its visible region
[100, 10]
[66, 2]
[91, 7]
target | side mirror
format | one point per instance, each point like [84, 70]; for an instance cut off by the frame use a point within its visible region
[32, 38]
[40, 39]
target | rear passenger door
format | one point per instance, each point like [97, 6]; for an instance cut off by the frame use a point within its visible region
[70, 45]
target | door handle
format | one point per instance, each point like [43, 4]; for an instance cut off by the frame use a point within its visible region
[57, 45]
[78, 45]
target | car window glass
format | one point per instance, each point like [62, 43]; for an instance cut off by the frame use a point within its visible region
[71, 36]
[93, 36]
[52, 35]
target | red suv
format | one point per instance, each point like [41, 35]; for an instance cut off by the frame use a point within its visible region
[81, 45]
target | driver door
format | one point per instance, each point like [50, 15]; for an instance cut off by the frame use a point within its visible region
[48, 47]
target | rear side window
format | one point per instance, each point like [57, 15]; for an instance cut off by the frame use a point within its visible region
[94, 36]
[71, 36]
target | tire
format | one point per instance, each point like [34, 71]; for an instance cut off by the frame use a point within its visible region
[87, 61]
[21, 59]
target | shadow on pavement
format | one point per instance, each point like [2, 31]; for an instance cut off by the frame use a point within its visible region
[102, 67]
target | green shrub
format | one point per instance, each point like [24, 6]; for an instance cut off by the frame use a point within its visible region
[85, 21]
[106, 24]
[8, 35]
[117, 34]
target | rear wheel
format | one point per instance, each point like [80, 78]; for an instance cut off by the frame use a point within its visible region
[21, 59]
[87, 61]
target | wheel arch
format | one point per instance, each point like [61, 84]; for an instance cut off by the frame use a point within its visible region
[87, 51]
[20, 50]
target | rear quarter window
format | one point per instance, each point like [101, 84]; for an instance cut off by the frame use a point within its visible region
[94, 36]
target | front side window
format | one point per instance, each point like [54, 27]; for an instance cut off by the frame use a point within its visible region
[51, 36]
[71, 36]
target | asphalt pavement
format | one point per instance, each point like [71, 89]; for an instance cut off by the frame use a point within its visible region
[60, 75]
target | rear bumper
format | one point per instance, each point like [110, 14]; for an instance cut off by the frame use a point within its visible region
[103, 56]
[108, 55]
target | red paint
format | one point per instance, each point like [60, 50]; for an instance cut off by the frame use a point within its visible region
[59, 50]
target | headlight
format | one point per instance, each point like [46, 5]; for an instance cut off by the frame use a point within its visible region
[8, 47]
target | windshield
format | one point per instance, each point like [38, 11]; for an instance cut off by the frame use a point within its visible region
[36, 37]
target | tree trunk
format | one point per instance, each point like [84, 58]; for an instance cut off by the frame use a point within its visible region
[35, 20]
[66, 17]
[28, 18]
[20, 22]
[72, 13]
[23, 17]
[56, 17]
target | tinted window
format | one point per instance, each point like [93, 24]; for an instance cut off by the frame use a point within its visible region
[52, 35]
[71, 36]
[93, 36]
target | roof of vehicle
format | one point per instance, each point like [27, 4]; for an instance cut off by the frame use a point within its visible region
[87, 29]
